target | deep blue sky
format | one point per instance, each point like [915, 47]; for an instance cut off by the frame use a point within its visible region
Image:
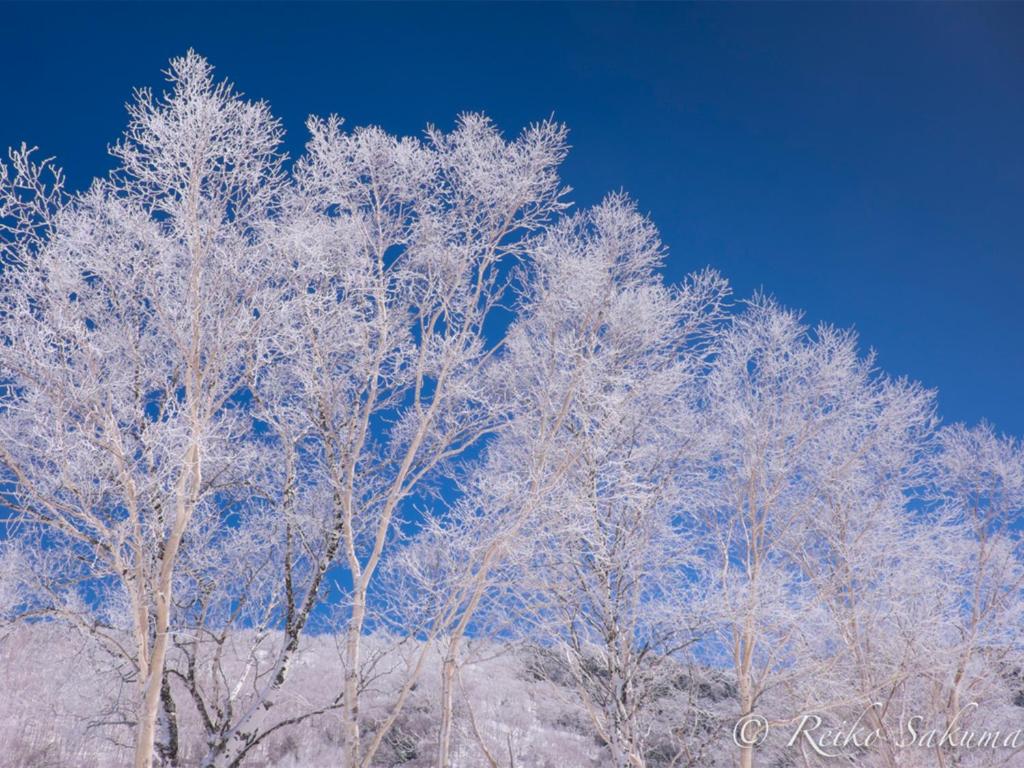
[862, 162]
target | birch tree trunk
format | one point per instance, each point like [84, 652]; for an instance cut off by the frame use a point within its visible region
[187, 490]
[448, 669]
[350, 713]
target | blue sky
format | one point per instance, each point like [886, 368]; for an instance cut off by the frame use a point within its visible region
[862, 162]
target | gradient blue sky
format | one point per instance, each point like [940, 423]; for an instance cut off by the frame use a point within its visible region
[862, 162]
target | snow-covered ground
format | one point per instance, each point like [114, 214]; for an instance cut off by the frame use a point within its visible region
[65, 705]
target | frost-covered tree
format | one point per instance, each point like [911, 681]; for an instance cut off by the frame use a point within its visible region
[132, 321]
[872, 564]
[979, 477]
[580, 494]
[798, 416]
[394, 256]
[612, 563]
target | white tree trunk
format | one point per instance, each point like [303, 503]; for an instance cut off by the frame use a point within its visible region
[444, 742]
[350, 711]
[154, 679]
[188, 486]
